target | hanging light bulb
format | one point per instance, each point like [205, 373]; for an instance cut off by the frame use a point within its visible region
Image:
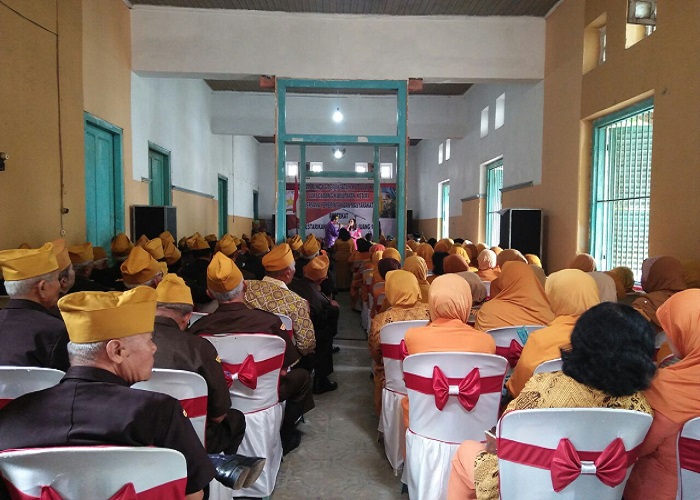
[337, 116]
[338, 153]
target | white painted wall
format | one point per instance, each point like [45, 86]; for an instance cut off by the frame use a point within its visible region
[216, 42]
[176, 115]
[519, 142]
[248, 113]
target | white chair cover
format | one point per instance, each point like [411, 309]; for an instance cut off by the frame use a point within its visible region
[187, 387]
[689, 460]
[196, 316]
[589, 431]
[433, 434]
[391, 419]
[553, 365]
[286, 321]
[510, 341]
[261, 406]
[96, 472]
[15, 381]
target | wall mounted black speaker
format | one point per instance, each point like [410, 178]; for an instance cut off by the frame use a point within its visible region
[152, 220]
[521, 228]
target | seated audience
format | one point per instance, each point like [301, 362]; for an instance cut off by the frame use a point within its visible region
[324, 316]
[456, 264]
[29, 334]
[438, 262]
[83, 257]
[520, 301]
[674, 396]
[624, 284]
[112, 276]
[140, 269]
[110, 349]
[503, 256]
[180, 350]
[570, 293]
[402, 295]
[608, 363]
[226, 285]
[488, 268]
[417, 266]
[272, 294]
[607, 290]
[426, 251]
[195, 272]
[661, 278]
[66, 274]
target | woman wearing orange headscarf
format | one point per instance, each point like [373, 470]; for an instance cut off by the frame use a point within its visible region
[511, 254]
[661, 278]
[426, 251]
[675, 397]
[402, 293]
[571, 293]
[417, 266]
[521, 300]
[343, 248]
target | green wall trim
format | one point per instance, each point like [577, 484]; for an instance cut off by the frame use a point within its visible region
[192, 191]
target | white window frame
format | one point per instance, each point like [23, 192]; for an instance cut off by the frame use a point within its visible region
[316, 166]
[386, 170]
[291, 168]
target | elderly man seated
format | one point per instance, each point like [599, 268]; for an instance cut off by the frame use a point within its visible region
[29, 334]
[110, 348]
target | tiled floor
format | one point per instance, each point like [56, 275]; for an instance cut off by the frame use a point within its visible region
[339, 456]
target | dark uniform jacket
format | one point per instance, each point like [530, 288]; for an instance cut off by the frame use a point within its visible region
[31, 336]
[110, 277]
[92, 406]
[178, 350]
[83, 284]
[236, 317]
[251, 266]
[195, 275]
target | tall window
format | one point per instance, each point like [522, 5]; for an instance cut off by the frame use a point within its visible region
[494, 184]
[621, 188]
[444, 209]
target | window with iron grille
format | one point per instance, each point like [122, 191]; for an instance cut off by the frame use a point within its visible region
[621, 184]
[494, 184]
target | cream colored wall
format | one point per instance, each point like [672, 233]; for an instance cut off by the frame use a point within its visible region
[472, 220]
[44, 149]
[238, 225]
[196, 213]
[107, 81]
[427, 227]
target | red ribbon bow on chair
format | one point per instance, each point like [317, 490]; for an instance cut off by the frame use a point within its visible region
[511, 353]
[248, 373]
[610, 467]
[467, 391]
[403, 349]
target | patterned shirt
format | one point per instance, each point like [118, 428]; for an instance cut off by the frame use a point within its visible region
[273, 296]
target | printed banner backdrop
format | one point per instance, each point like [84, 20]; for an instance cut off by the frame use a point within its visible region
[349, 201]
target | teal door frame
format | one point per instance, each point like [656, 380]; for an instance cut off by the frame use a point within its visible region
[166, 178]
[222, 189]
[118, 177]
[282, 139]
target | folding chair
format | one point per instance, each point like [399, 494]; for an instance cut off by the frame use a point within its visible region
[15, 381]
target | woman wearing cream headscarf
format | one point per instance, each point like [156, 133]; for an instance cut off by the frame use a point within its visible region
[488, 267]
[607, 289]
[402, 293]
[675, 397]
[661, 278]
[583, 261]
[417, 266]
[571, 292]
[521, 300]
[426, 251]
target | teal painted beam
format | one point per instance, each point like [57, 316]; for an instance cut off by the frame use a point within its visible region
[289, 83]
[377, 195]
[302, 192]
[340, 140]
[281, 209]
[341, 175]
[402, 117]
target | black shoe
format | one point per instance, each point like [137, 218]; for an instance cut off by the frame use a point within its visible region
[230, 471]
[322, 385]
[336, 349]
[291, 441]
[255, 465]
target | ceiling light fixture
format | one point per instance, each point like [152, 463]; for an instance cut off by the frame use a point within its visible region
[338, 153]
[337, 116]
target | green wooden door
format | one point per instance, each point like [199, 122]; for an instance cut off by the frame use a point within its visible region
[100, 186]
[159, 173]
[223, 206]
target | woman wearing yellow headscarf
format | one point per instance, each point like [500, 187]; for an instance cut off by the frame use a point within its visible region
[417, 266]
[521, 300]
[675, 397]
[571, 292]
[403, 294]
[426, 251]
